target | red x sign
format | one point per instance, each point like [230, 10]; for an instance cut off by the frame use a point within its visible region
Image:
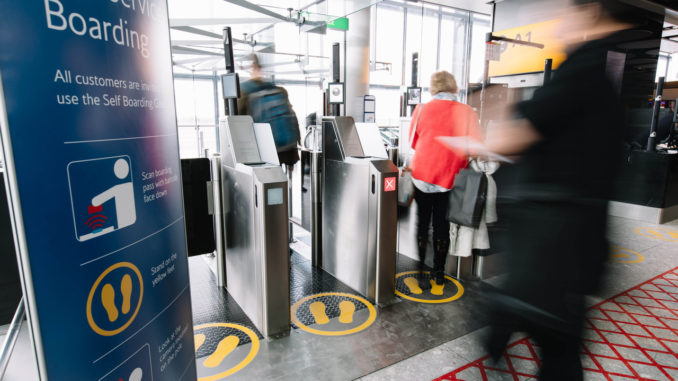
[389, 184]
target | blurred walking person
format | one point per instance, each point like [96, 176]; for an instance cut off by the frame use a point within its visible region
[569, 136]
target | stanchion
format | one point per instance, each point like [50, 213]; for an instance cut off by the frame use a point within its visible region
[219, 221]
[289, 169]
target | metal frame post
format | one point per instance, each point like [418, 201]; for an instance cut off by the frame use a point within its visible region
[230, 104]
[289, 169]
[415, 76]
[316, 206]
[11, 338]
[219, 221]
[548, 65]
[335, 109]
[651, 140]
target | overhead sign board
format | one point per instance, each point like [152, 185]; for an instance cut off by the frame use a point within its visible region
[90, 147]
[340, 23]
[514, 58]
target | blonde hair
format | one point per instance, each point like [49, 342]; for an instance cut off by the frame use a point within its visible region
[443, 81]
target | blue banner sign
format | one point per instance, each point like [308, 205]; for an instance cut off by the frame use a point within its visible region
[90, 147]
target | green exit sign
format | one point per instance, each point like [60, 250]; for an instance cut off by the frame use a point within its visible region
[341, 23]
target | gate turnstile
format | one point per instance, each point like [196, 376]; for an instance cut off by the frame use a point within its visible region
[255, 213]
[359, 209]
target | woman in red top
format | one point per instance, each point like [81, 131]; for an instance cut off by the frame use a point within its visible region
[434, 167]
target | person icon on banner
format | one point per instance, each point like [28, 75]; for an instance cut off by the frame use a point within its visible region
[122, 195]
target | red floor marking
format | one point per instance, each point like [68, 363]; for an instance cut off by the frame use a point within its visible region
[631, 336]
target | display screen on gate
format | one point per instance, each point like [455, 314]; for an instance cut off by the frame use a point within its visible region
[389, 184]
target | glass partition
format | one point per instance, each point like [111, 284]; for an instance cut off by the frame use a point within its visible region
[299, 57]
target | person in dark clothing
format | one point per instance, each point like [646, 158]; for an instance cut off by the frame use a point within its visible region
[568, 136]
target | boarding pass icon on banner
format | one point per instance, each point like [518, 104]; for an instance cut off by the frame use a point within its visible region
[102, 196]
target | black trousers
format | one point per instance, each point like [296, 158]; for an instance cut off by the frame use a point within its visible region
[289, 157]
[556, 254]
[432, 206]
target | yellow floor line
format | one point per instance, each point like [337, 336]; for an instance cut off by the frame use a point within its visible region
[126, 290]
[199, 340]
[225, 347]
[318, 312]
[413, 284]
[347, 309]
[436, 289]
[108, 301]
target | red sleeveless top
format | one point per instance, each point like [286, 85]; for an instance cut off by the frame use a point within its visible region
[433, 162]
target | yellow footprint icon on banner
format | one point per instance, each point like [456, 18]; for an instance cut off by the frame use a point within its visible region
[118, 292]
[126, 291]
[108, 298]
[108, 301]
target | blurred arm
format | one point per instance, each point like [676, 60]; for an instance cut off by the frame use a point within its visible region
[511, 137]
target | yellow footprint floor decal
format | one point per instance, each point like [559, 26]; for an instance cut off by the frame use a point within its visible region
[318, 312]
[225, 347]
[436, 289]
[199, 340]
[126, 290]
[108, 301]
[413, 285]
[347, 309]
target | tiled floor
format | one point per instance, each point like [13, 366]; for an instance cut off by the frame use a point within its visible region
[643, 308]
[631, 336]
[416, 341]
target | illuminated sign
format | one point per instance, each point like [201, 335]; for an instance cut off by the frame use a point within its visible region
[389, 184]
[518, 59]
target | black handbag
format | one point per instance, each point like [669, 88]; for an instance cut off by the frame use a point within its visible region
[467, 198]
[466, 202]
